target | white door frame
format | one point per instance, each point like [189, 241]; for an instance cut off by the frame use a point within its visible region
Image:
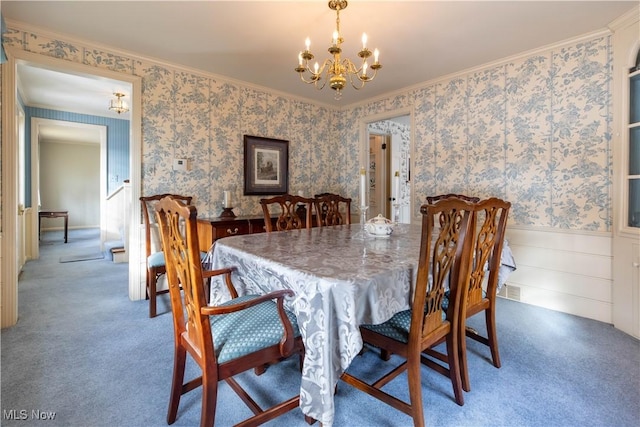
[8, 261]
[364, 140]
[626, 240]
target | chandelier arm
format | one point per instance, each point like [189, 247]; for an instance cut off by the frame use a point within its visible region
[320, 87]
[321, 70]
[354, 74]
[360, 82]
[314, 82]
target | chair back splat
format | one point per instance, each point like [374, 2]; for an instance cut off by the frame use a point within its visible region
[153, 246]
[333, 209]
[289, 212]
[210, 334]
[433, 199]
[444, 260]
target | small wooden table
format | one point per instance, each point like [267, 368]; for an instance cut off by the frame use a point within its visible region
[55, 214]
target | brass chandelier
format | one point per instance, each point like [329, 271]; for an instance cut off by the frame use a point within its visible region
[337, 70]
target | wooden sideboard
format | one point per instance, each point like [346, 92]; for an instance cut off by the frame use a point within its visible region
[212, 229]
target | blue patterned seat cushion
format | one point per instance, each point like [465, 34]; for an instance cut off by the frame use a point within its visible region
[157, 259]
[397, 327]
[246, 331]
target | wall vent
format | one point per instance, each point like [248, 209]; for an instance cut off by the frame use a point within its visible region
[503, 291]
[513, 292]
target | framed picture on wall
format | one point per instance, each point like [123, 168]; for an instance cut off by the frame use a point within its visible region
[266, 166]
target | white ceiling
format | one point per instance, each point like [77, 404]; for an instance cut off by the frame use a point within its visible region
[258, 42]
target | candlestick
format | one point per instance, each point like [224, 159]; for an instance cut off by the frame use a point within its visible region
[227, 199]
[363, 187]
[227, 213]
[397, 183]
[363, 220]
[396, 213]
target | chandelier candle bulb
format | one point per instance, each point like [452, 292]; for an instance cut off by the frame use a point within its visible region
[364, 41]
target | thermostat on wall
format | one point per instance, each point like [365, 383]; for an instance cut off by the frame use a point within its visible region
[180, 164]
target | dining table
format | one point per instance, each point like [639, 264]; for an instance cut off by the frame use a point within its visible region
[342, 277]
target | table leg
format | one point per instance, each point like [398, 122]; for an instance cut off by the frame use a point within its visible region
[66, 227]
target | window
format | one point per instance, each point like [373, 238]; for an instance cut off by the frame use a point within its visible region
[633, 169]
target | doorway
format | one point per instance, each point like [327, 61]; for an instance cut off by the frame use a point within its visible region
[380, 196]
[10, 173]
[386, 144]
[76, 164]
[64, 180]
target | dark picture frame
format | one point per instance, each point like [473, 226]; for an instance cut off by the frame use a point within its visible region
[266, 166]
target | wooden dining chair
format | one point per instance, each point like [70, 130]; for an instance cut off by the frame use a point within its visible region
[491, 215]
[246, 332]
[445, 253]
[433, 199]
[333, 209]
[290, 212]
[153, 246]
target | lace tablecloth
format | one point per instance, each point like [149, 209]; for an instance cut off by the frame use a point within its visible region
[341, 279]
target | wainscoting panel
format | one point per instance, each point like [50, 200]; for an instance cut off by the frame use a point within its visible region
[563, 282]
[569, 272]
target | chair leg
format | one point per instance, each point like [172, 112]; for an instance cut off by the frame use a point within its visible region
[179, 361]
[464, 370]
[490, 316]
[454, 368]
[415, 392]
[152, 283]
[209, 396]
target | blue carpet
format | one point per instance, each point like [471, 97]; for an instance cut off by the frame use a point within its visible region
[84, 351]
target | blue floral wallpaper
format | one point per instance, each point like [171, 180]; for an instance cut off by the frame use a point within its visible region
[535, 131]
[203, 119]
